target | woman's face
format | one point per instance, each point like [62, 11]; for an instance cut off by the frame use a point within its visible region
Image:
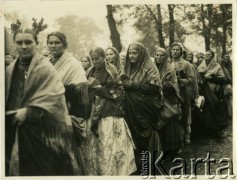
[85, 63]
[110, 56]
[25, 45]
[122, 60]
[189, 58]
[133, 55]
[97, 60]
[200, 59]
[159, 57]
[208, 56]
[176, 51]
[55, 46]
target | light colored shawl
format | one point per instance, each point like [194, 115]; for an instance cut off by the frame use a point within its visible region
[70, 70]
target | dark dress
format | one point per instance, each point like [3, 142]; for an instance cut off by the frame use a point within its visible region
[142, 104]
[28, 151]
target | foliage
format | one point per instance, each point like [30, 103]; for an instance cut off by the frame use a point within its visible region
[9, 44]
[189, 19]
[38, 27]
[80, 33]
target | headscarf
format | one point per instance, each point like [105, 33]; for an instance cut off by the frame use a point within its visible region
[177, 44]
[117, 57]
[161, 65]
[144, 69]
[111, 68]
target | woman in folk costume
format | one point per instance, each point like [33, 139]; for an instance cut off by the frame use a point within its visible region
[215, 112]
[194, 87]
[114, 145]
[38, 128]
[226, 66]
[142, 103]
[186, 79]
[73, 76]
[171, 132]
[113, 57]
[86, 62]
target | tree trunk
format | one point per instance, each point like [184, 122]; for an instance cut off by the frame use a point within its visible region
[158, 22]
[206, 28]
[115, 36]
[160, 27]
[224, 27]
[171, 23]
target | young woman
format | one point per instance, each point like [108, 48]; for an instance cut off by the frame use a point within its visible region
[186, 79]
[36, 115]
[112, 56]
[171, 134]
[86, 62]
[114, 145]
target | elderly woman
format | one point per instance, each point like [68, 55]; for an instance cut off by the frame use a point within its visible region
[213, 82]
[86, 62]
[114, 147]
[186, 79]
[143, 93]
[171, 134]
[36, 115]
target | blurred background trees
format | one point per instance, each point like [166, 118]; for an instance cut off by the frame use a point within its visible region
[162, 25]
[199, 27]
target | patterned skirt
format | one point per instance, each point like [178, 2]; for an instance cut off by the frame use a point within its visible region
[112, 153]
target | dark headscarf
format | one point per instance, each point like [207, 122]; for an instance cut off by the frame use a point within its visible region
[61, 36]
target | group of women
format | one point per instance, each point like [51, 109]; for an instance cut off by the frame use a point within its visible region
[97, 116]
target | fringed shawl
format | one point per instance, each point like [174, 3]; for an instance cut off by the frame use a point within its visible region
[43, 89]
[100, 102]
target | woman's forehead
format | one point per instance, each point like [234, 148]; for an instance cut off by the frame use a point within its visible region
[24, 36]
[132, 50]
[159, 52]
[54, 38]
[176, 46]
[96, 54]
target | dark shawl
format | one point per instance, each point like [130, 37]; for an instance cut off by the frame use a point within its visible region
[143, 99]
[42, 137]
[213, 89]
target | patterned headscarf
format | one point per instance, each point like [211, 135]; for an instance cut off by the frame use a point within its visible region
[161, 65]
[144, 69]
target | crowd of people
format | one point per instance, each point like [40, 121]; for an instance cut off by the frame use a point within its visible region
[96, 115]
